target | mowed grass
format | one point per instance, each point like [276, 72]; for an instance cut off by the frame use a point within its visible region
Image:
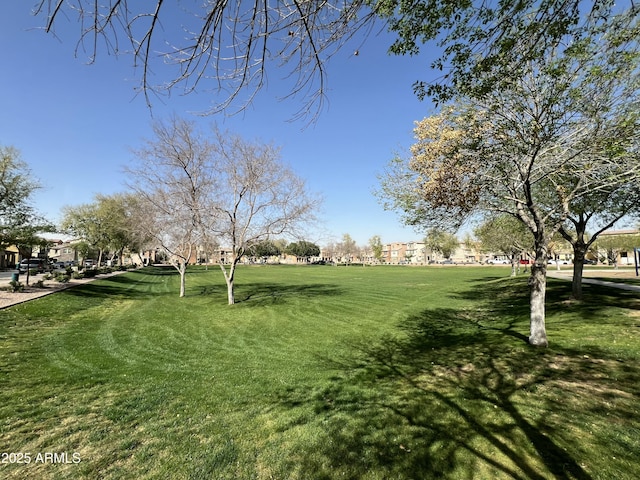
[320, 373]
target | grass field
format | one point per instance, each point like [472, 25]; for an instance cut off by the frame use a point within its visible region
[320, 373]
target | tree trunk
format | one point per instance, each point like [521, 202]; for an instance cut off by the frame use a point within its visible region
[230, 296]
[538, 286]
[183, 271]
[579, 252]
[229, 278]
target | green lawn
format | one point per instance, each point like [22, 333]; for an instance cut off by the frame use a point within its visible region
[320, 373]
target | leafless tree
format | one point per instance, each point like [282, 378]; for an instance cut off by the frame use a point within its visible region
[198, 190]
[330, 252]
[257, 198]
[173, 180]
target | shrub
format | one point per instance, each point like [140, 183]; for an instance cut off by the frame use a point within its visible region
[33, 271]
[39, 284]
[77, 275]
[90, 272]
[15, 286]
[62, 277]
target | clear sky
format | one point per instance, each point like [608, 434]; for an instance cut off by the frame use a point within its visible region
[75, 123]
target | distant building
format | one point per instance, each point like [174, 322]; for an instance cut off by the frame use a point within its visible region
[9, 257]
[617, 246]
[62, 251]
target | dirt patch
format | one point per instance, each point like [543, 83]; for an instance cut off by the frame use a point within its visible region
[610, 273]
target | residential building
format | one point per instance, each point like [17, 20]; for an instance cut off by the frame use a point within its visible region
[395, 253]
[9, 257]
[618, 246]
[62, 251]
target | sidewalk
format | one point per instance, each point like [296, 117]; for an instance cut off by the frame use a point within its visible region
[568, 276]
[9, 299]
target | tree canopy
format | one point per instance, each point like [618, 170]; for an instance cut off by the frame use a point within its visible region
[375, 244]
[224, 47]
[229, 47]
[506, 235]
[566, 127]
[103, 224]
[20, 224]
[303, 249]
[441, 242]
[17, 183]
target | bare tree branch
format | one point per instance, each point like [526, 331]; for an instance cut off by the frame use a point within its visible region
[231, 43]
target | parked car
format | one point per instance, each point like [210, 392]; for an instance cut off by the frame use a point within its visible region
[501, 261]
[39, 264]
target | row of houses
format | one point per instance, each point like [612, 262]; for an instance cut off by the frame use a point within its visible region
[396, 253]
[57, 250]
[61, 251]
[417, 253]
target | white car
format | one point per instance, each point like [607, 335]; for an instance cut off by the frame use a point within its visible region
[496, 261]
[554, 262]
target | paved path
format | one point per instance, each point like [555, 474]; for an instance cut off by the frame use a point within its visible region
[568, 276]
[9, 299]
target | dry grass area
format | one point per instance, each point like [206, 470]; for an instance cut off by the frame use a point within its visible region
[610, 273]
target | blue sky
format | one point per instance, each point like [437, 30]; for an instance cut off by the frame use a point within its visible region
[75, 123]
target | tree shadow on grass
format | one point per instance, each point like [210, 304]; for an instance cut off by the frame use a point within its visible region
[261, 294]
[116, 286]
[457, 395]
[160, 270]
[505, 301]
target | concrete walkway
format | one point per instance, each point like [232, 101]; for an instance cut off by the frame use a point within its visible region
[9, 299]
[568, 276]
